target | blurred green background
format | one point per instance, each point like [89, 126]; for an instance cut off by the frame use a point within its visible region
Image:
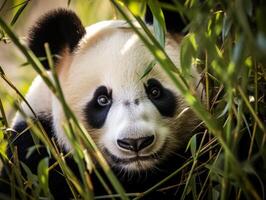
[11, 60]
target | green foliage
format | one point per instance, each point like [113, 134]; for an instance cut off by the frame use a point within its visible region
[22, 6]
[158, 21]
[43, 172]
[227, 43]
[3, 142]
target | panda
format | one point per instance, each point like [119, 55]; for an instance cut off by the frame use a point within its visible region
[141, 125]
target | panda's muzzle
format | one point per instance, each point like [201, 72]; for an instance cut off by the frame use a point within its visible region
[135, 145]
[115, 159]
[138, 158]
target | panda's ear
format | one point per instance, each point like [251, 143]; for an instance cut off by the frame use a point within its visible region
[60, 28]
[175, 23]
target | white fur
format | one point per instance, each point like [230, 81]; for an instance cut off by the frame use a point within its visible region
[38, 97]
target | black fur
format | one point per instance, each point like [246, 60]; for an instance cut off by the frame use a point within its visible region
[96, 114]
[166, 103]
[175, 23]
[60, 28]
[23, 142]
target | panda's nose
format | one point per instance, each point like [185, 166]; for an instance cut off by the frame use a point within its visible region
[135, 144]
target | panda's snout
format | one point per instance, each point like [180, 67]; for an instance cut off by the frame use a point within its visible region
[135, 144]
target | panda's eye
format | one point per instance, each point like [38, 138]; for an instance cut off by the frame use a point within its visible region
[155, 92]
[162, 98]
[103, 100]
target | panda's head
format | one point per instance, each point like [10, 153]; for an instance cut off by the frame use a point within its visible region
[136, 122]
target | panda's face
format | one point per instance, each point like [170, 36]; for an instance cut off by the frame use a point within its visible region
[136, 122]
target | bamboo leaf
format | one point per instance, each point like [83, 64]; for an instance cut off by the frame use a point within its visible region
[187, 53]
[159, 26]
[19, 12]
[148, 69]
[43, 172]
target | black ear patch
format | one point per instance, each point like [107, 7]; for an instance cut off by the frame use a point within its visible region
[60, 28]
[173, 20]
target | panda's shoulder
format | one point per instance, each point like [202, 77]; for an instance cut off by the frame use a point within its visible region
[38, 101]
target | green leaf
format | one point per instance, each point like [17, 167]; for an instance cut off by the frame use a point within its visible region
[19, 12]
[2, 73]
[193, 145]
[215, 194]
[148, 69]
[1, 132]
[227, 24]
[32, 149]
[3, 143]
[158, 21]
[187, 52]
[3, 147]
[136, 7]
[32, 179]
[159, 32]
[43, 172]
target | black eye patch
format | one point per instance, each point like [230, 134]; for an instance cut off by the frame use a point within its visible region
[95, 112]
[163, 99]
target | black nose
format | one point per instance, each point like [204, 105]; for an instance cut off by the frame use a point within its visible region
[135, 144]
